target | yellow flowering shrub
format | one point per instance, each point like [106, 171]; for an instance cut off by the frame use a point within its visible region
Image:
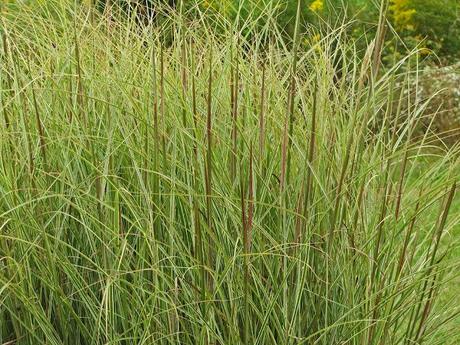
[402, 14]
[317, 5]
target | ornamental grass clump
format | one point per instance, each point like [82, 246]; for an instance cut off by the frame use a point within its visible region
[183, 183]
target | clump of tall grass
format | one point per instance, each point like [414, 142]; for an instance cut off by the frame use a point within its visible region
[219, 189]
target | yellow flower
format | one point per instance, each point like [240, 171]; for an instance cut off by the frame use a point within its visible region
[317, 5]
[312, 40]
[402, 14]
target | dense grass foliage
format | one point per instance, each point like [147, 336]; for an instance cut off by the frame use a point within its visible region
[200, 192]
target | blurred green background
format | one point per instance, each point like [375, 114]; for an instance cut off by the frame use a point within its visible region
[430, 25]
